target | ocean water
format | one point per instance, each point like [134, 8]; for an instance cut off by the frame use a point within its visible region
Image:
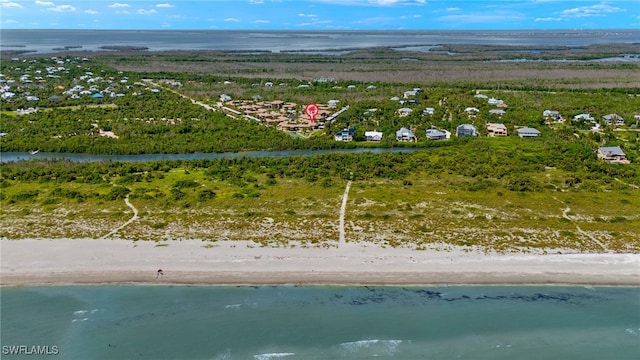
[45, 41]
[459, 322]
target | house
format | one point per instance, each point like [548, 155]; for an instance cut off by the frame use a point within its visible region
[586, 117]
[410, 93]
[496, 129]
[498, 112]
[494, 101]
[481, 96]
[612, 155]
[472, 110]
[405, 134]
[345, 134]
[333, 103]
[466, 130]
[528, 132]
[613, 119]
[429, 111]
[373, 135]
[404, 112]
[225, 97]
[552, 114]
[434, 134]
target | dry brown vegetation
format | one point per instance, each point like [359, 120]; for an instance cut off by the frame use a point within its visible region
[558, 67]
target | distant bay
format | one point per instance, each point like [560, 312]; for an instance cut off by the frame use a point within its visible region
[45, 41]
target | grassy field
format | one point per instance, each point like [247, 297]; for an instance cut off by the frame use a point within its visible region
[420, 209]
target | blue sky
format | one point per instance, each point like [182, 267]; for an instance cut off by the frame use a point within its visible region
[320, 14]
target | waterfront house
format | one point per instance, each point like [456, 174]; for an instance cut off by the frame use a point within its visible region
[465, 130]
[345, 134]
[435, 134]
[405, 134]
[373, 135]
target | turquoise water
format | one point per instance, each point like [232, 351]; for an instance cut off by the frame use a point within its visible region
[181, 322]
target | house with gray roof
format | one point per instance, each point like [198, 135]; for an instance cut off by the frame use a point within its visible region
[528, 132]
[466, 130]
[612, 155]
[435, 134]
[613, 119]
[405, 134]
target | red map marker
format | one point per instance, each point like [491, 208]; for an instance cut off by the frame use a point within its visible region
[311, 110]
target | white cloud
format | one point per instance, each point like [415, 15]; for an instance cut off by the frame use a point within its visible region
[164, 5]
[396, 2]
[6, 4]
[91, 12]
[118, 5]
[548, 19]
[453, 9]
[10, 22]
[62, 8]
[146, 12]
[231, 20]
[122, 12]
[480, 18]
[261, 22]
[587, 11]
[308, 15]
[374, 2]
[256, 2]
[45, 3]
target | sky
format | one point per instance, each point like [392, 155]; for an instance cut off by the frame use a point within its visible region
[320, 14]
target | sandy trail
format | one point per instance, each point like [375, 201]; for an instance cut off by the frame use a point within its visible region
[343, 210]
[133, 218]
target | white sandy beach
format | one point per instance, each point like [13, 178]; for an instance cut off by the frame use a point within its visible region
[104, 261]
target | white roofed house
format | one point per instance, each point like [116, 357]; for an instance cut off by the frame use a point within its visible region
[403, 112]
[428, 111]
[373, 135]
[405, 134]
[613, 119]
[498, 112]
[472, 111]
[553, 115]
[613, 155]
[585, 117]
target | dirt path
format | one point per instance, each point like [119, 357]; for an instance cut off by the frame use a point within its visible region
[565, 214]
[343, 210]
[133, 218]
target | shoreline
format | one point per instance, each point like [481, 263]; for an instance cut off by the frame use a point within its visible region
[69, 262]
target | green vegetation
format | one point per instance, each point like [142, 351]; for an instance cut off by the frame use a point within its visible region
[504, 193]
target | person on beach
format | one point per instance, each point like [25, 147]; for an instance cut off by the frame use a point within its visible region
[159, 272]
